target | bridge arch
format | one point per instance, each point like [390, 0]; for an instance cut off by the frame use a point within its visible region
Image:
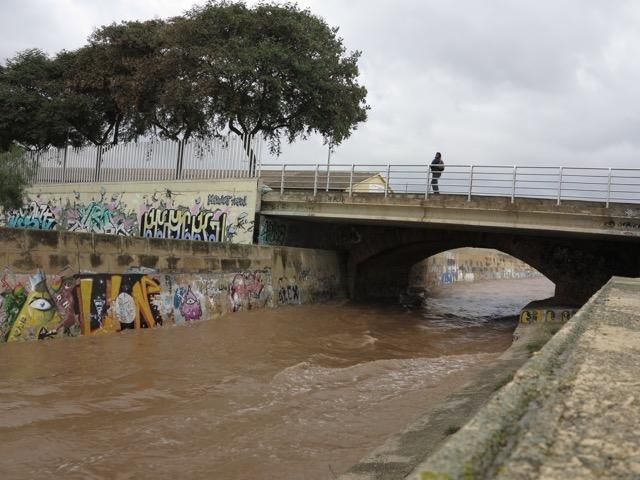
[379, 254]
[380, 266]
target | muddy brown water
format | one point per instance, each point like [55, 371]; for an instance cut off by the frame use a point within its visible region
[299, 392]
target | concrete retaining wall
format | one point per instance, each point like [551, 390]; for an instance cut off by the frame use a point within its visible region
[570, 412]
[56, 283]
[209, 210]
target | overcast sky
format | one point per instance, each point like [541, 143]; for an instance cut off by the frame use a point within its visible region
[483, 81]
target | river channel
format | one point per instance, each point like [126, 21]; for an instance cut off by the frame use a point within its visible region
[299, 392]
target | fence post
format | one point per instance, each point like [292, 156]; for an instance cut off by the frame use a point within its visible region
[353, 167]
[559, 185]
[258, 161]
[315, 180]
[98, 163]
[179, 159]
[284, 165]
[513, 186]
[426, 187]
[470, 184]
[386, 184]
[328, 175]
[609, 189]
[64, 164]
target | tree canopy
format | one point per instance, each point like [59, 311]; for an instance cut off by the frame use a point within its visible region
[273, 70]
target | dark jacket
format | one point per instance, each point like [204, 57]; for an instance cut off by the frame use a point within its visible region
[437, 167]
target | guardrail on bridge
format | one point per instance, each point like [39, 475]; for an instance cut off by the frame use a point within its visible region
[607, 185]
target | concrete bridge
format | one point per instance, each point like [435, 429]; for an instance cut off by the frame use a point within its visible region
[578, 245]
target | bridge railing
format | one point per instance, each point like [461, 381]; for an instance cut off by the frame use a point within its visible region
[606, 185]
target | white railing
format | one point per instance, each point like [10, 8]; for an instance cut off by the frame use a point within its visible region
[607, 185]
[226, 157]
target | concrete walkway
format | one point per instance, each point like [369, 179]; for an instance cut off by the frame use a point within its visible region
[573, 411]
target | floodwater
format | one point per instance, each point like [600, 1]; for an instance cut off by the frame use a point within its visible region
[299, 392]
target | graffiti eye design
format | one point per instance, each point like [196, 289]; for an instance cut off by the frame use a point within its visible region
[190, 301]
[41, 304]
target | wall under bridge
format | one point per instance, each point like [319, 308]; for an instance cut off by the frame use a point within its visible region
[380, 258]
[55, 284]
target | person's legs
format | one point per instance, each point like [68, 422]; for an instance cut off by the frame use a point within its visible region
[434, 185]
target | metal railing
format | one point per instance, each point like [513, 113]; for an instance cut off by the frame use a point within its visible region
[606, 185]
[225, 157]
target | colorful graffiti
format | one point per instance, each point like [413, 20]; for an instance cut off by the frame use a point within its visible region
[33, 215]
[111, 303]
[84, 304]
[162, 213]
[181, 224]
[248, 291]
[541, 315]
[186, 305]
[101, 217]
[39, 306]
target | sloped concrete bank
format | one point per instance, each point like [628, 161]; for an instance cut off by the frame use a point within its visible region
[521, 415]
[570, 412]
[401, 453]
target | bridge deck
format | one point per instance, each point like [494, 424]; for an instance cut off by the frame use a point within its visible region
[575, 218]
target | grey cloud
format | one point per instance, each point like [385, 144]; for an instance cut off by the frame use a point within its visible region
[500, 81]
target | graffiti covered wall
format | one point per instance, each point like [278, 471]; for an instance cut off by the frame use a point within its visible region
[211, 211]
[41, 306]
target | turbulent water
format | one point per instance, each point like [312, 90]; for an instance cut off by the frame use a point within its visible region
[299, 392]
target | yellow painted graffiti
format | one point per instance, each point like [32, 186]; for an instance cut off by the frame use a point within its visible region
[37, 318]
[542, 315]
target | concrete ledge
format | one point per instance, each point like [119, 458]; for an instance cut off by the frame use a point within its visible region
[529, 427]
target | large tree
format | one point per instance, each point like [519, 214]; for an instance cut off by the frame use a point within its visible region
[30, 102]
[271, 70]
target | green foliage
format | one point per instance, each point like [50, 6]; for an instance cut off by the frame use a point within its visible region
[30, 112]
[272, 70]
[12, 178]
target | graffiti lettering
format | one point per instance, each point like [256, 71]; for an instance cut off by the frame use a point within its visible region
[626, 225]
[241, 225]
[38, 217]
[271, 232]
[183, 225]
[98, 217]
[228, 200]
[289, 294]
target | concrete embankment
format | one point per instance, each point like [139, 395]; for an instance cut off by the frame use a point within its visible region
[106, 283]
[570, 412]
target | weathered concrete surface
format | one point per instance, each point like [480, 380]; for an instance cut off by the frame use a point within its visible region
[570, 412]
[320, 273]
[488, 213]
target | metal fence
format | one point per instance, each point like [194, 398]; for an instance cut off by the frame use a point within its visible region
[606, 185]
[225, 157]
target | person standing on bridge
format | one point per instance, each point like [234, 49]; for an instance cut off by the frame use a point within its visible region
[437, 167]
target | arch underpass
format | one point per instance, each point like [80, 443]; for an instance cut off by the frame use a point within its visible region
[379, 258]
